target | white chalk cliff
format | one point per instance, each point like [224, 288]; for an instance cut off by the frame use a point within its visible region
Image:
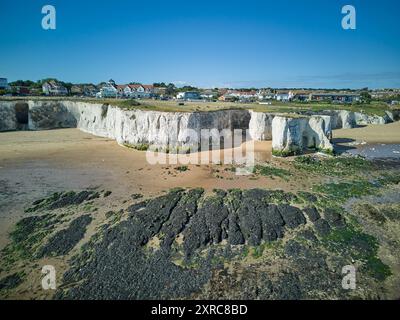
[181, 129]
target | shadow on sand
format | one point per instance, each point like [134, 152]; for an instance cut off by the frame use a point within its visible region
[340, 145]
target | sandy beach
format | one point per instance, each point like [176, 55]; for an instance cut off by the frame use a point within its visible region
[388, 133]
[35, 164]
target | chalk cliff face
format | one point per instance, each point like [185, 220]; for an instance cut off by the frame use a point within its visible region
[49, 115]
[363, 119]
[184, 129]
[174, 129]
[8, 119]
[291, 135]
[346, 119]
[287, 135]
[260, 126]
[318, 133]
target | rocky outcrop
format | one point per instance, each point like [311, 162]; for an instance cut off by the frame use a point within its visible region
[364, 119]
[318, 132]
[260, 126]
[287, 135]
[292, 135]
[344, 119]
[8, 119]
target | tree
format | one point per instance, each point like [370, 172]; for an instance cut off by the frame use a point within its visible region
[22, 83]
[365, 97]
[188, 88]
[171, 89]
[159, 84]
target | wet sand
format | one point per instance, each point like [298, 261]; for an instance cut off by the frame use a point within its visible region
[34, 164]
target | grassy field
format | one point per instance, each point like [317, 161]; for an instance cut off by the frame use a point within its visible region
[374, 107]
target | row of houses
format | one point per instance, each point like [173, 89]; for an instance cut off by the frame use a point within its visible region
[106, 90]
[112, 90]
[253, 95]
[136, 90]
[286, 96]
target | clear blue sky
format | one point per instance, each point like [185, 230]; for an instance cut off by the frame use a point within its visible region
[283, 43]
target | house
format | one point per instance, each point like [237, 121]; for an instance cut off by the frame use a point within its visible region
[284, 96]
[336, 97]
[302, 96]
[138, 90]
[188, 95]
[21, 90]
[265, 95]
[90, 90]
[148, 89]
[54, 88]
[232, 95]
[120, 89]
[4, 84]
[108, 90]
[76, 90]
[209, 94]
[134, 91]
[159, 91]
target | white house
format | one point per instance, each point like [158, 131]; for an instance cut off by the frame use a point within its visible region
[108, 91]
[265, 95]
[138, 90]
[53, 88]
[240, 95]
[188, 95]
[284, 97]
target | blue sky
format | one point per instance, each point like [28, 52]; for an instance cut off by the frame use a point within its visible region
[285, 43]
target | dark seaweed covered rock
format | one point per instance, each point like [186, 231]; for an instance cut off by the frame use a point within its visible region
[333, 217]
[235, 236]
[312, 213]
[292, 216]
[65, 240]
[10, 282]
[180, 216]
[322, 227]
[120, 265]
[59, 200]
[272, 223]
[72, 198]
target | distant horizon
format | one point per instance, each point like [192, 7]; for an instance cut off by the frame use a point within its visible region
[210, 44]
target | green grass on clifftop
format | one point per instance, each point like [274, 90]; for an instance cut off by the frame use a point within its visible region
[375, 107]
